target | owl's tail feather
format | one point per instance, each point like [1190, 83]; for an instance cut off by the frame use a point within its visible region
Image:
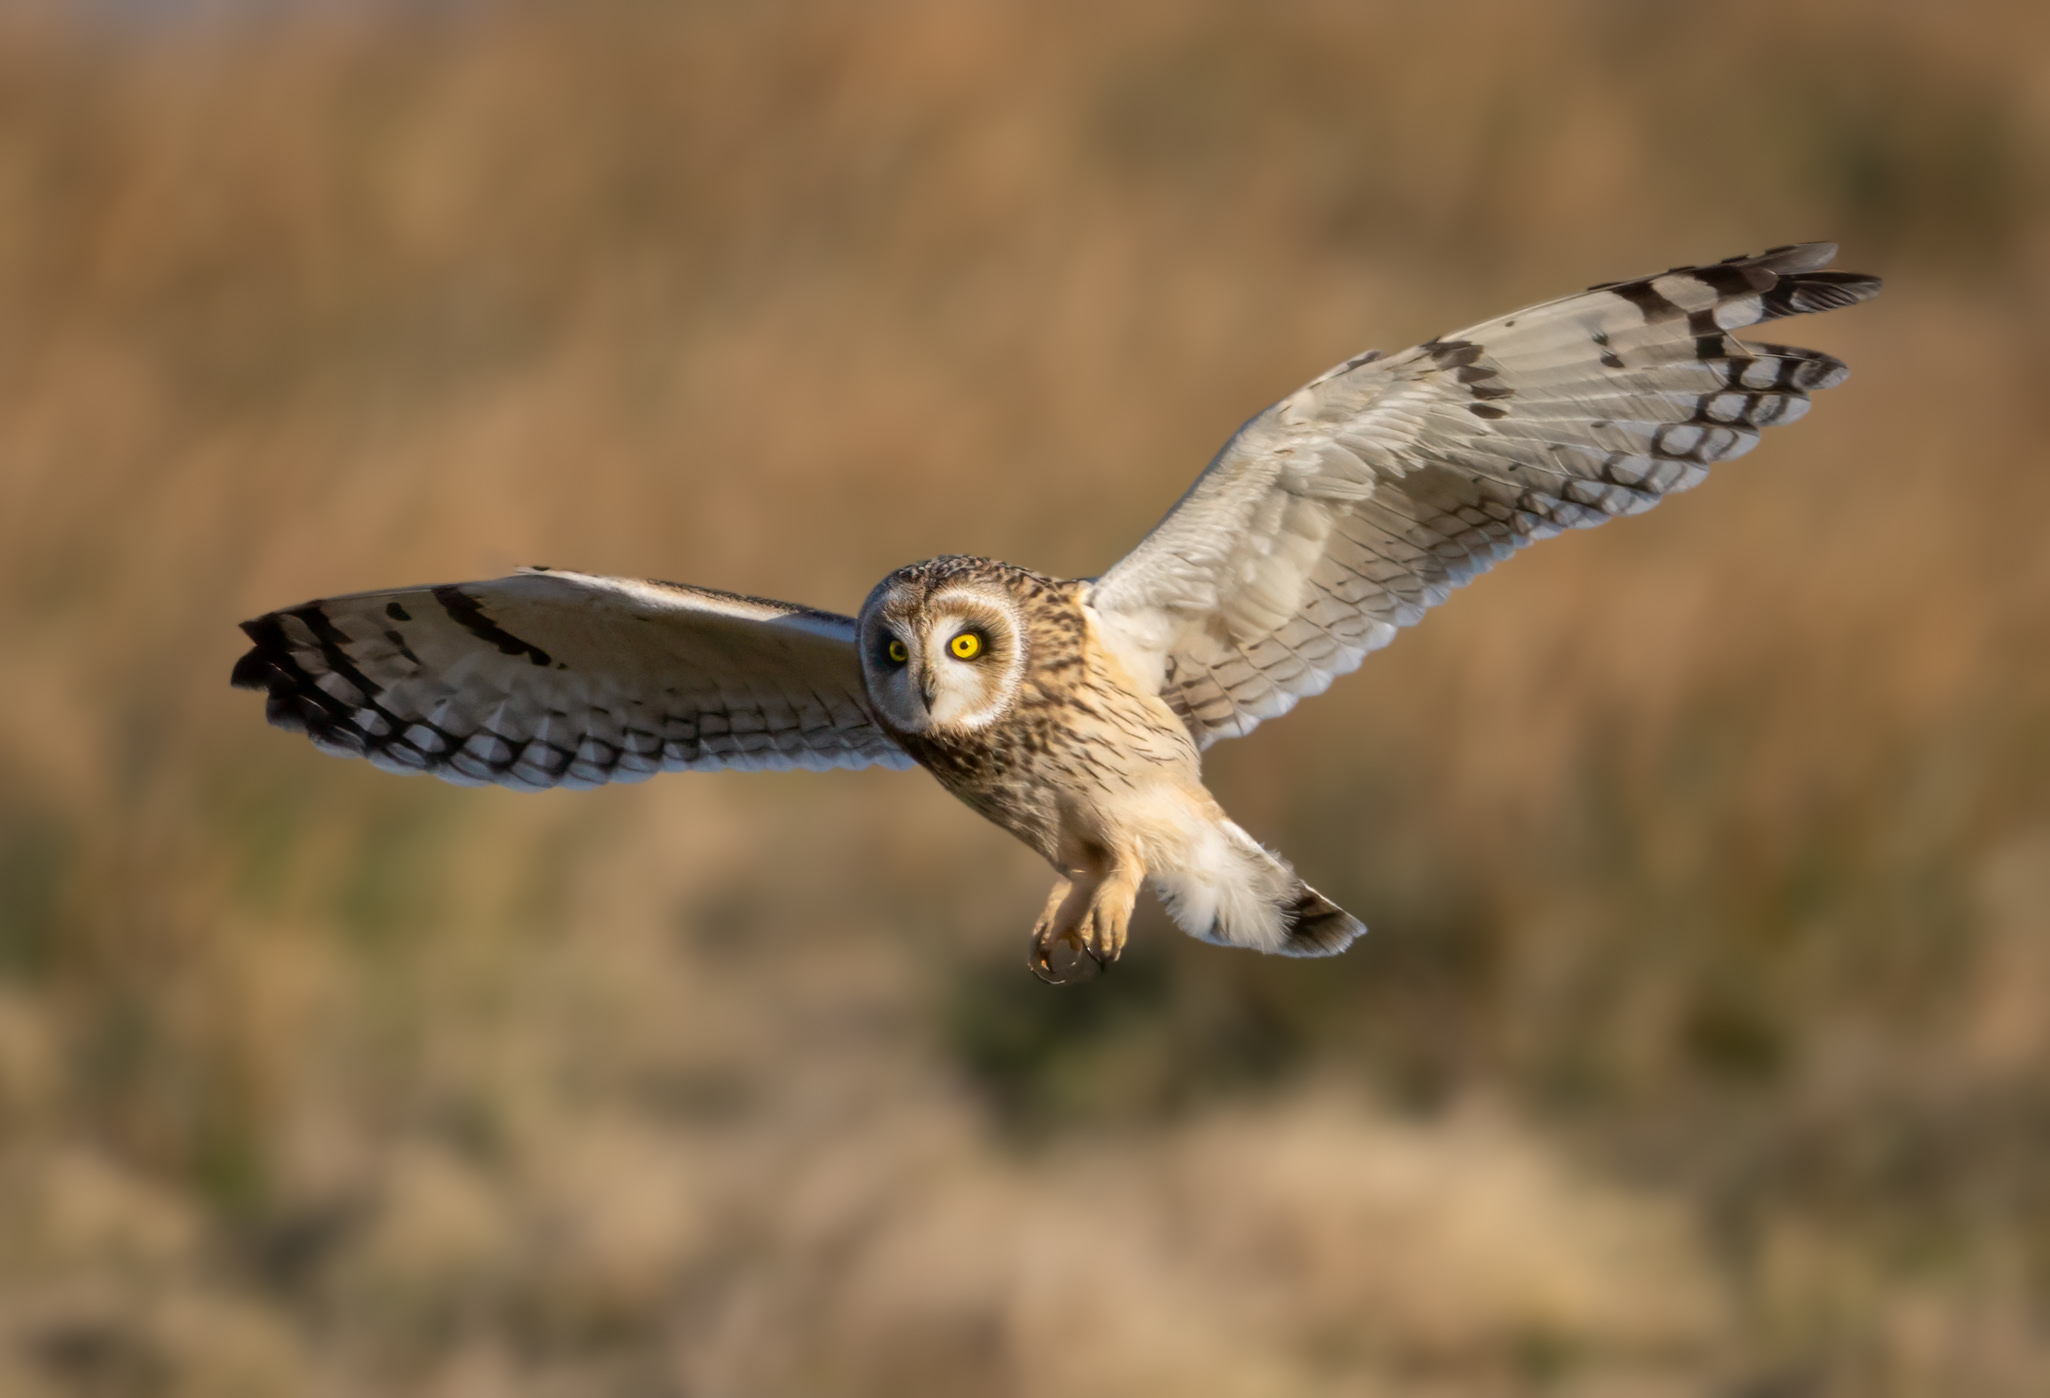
[1234, 892]
[1317, 926]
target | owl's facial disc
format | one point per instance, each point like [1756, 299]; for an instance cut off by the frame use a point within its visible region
[974, 657]
[889, 644]
[947, 663]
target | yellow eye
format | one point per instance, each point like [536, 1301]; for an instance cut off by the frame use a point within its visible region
[966, 646]
[897, 652]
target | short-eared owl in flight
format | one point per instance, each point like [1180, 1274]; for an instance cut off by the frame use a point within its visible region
[1074, 713]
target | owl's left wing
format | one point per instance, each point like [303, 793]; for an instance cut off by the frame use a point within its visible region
[561, 679]
[1355, 504]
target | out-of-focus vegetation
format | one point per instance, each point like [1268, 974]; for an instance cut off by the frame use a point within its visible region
[1700, 1044]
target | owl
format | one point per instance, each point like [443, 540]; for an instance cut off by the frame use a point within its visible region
[1074, 713]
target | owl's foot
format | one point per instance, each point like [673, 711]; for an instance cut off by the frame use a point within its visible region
[1082, 930]
[1058, 955]
[1062, 960]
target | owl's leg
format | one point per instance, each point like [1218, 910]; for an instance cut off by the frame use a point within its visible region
[1110, 912]
[1058, 955]
[1083, 928]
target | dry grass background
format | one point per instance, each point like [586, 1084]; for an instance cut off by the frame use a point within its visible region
[1700, 1044]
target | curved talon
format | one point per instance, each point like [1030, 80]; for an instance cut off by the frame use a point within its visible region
[1086, 918]
[1041, 964]
[1080, 968]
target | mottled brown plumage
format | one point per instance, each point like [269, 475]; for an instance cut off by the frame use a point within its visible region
[1071, 722]
[1061, 746]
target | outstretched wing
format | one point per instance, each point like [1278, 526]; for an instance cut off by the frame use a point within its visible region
[1355, 504]
[560, 679]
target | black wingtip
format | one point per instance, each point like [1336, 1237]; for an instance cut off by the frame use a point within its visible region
[252, 671]
[293, 701]
[1795, 277]
[258, 667]
[1805, 293]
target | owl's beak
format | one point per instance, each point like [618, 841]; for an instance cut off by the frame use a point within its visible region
[926, 687]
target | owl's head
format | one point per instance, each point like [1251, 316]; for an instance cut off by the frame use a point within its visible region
[943, 646]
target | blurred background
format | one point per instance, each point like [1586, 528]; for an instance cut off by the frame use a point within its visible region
[1699, 1047]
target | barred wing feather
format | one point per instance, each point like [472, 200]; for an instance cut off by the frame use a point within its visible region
[550, 679]
[1357, 503]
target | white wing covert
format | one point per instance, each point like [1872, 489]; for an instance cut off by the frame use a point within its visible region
[550, 679]
[1352, 506]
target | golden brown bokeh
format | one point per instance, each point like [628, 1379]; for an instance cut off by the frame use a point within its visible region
[1700, 1043]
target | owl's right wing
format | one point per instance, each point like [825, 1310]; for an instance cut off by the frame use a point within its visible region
[1352, 506]
[551, 679]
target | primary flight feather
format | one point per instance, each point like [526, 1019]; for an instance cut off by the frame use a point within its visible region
[1073, 713]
